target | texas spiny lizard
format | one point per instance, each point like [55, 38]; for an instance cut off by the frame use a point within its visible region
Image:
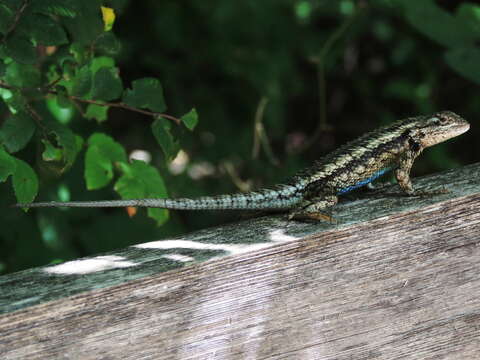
[307, 194]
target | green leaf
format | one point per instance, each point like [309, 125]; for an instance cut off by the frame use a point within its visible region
[79, 51]
[66, 8]
[66, 139]
[161, 130]
[465, 61]
[98, 168]
[87, 25]
[51, 153]
[141, 180]
[470, 14]
[108, 43]
[190, 119]
[68, 66]
[14, 99]
[63, 101]
[25, 182]
[62, 114]
[437, 24]
[101, 155]
[43, 29]
[16, 132]
[79, 143]
[22, 75]
[113, 149]
[3, 69]
[82, 83]
[101, 61]
[7, 165]
[62, 94]
[21, 49]
[146, 93]
[97, 112]
[6, 18]
[107, 85]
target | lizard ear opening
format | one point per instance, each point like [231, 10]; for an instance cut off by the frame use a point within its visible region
[414, 145]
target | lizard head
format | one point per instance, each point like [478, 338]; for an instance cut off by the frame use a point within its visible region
[440, 127]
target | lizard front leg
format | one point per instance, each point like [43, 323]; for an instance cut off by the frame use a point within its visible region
[311, 209]
[402, 174]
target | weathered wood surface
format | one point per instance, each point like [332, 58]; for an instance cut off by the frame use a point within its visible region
[397, 278]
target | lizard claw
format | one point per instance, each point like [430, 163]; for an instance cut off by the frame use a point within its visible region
[317, 216]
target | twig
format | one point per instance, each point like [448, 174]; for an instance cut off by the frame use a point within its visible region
[258, 126]
[259, 134]
[78, 107]
[322, 86]
[16, 20]
[38, 119]
[99, 103]
[122, 106]
[53, 83]
[243, 186]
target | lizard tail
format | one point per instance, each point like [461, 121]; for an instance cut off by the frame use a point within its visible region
[282, 197]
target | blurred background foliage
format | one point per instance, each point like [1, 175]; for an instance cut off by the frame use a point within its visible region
[87, 87]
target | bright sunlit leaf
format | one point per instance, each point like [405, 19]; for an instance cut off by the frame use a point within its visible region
[108, 15]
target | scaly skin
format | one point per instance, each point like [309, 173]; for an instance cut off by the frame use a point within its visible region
[393, 147]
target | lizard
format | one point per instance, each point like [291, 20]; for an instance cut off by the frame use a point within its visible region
[309, 193]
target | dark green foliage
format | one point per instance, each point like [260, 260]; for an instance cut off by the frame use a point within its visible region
[190, 119]
[66, 140]
[146, 93]
[107, 85]
[16, 132]
[25, 182]
[465, 61]
[161, 129]
[7, 165]
[102, 153]
[280, 79]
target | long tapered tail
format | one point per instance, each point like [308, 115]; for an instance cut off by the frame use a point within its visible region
[283, 197]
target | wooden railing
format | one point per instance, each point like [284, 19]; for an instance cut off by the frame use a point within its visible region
[395, 278]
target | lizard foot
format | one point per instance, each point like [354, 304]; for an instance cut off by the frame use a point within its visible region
[427, 193]
[316, 216]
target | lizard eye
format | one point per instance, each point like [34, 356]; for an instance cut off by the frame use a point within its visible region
[440, 118]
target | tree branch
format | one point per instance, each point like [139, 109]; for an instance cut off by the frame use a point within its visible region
[16, 20]
[99, 103]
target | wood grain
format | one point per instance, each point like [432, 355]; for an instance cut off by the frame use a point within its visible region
[402, 282]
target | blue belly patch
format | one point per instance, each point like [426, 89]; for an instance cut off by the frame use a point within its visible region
[363, 182]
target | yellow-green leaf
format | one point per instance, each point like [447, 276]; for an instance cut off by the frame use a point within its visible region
[108, 15]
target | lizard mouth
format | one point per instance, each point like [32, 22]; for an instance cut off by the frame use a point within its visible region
[446, 134]
[459, 129]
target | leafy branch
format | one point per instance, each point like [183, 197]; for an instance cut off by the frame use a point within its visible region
[94, 102]
[122, 106]
[69, 46]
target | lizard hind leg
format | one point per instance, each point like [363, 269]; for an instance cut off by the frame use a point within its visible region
[313, 209]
